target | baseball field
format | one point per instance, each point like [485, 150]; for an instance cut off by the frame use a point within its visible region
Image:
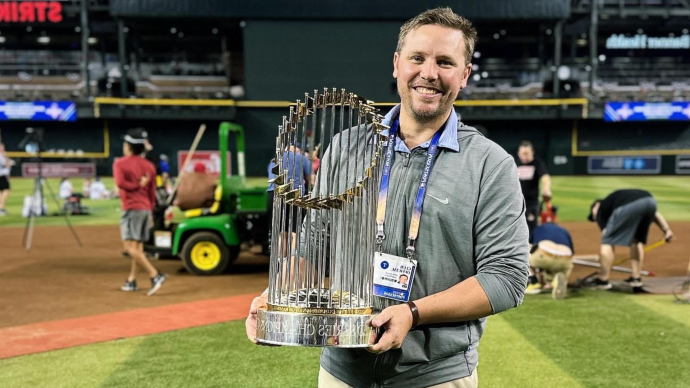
[64, 322]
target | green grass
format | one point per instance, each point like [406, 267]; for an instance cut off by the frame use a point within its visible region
[103, 212]
[574, 195]
[594, 339]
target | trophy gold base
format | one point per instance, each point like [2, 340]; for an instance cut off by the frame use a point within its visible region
[300, 329]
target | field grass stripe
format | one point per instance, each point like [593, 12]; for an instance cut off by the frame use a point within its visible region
[85, 366]
[664, 305]
[508, 359]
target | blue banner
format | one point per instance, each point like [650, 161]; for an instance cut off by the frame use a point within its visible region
[632, 165]
[39, 111]
[642, 111]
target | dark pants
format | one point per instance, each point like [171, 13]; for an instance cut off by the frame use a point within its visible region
[532, 215]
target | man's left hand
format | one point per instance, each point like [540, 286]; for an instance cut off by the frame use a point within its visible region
[546, 194]
[394, 322]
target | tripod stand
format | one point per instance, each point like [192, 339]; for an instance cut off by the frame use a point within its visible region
[37, 193]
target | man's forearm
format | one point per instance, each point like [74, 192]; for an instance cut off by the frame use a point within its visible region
[661, 222]
[465, 301]
[546, 183]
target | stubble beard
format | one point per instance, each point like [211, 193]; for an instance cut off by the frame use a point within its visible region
[426, 116]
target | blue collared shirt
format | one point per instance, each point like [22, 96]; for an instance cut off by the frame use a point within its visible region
[449, 136]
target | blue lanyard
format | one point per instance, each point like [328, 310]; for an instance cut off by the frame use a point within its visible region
[421, 191]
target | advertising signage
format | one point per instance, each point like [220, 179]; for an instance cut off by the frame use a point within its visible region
[30, 12]
[642, 111]
[625, 165]
[640, 41]
[39, 111]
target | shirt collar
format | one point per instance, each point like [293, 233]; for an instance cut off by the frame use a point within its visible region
[449, 135]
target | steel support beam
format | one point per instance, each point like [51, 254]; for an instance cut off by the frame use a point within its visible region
[557, 55]
[85, 33]
[593, 38]
[122, 51]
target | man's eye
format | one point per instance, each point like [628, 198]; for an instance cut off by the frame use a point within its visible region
[416, 58]
[445, 63]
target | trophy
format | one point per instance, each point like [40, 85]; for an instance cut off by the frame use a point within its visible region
[323, 237]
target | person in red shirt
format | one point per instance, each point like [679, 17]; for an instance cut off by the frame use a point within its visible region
[135, 179]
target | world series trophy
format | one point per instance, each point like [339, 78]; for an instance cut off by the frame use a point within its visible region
[324, 235]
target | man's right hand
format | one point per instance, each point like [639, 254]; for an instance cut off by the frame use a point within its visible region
[669, 236]
[250, 324]
[144, 181]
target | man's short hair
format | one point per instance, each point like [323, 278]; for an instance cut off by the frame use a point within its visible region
[136, 138]
[527, 143]
[444, 17]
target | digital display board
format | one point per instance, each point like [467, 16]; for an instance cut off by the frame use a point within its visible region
[39, 111]
[626, 165]
[642, 111]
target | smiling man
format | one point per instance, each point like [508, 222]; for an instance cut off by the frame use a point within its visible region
[470, 249]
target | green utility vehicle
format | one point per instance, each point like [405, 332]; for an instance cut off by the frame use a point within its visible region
[208, 240]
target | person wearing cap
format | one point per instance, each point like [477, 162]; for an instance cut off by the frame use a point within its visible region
[134, 178]
[624, 218]
[298, 167]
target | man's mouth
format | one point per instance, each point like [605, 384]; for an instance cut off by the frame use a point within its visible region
[426, 90]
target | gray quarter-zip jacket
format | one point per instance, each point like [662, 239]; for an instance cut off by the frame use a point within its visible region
[472, 224]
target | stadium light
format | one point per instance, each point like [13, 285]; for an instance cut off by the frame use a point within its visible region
[602, 58]
[477, 54]
[685, 31]
[92, 40]
[485, 74]
[77, 29]
[173, 30]
[563, 72]
[496, 36]
[3, 39]
[214, 31]
[29, 29]
[181, 34]
[477, 77]
[640, 31]
[43, 39]
[548, 31]
[475, 67]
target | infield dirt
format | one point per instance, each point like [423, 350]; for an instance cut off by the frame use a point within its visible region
[58, 280]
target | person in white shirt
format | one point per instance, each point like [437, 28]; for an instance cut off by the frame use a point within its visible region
[65, 190]
[98, 190]
[5, 166]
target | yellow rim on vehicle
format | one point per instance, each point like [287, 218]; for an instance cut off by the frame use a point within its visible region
[205, 255]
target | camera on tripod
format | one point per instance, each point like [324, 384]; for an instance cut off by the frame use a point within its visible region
[32, 142]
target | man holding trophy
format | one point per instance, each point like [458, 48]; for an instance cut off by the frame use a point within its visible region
[414, 231]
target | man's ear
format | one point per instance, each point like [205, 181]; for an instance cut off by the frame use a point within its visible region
[466, 75]
[396, 58]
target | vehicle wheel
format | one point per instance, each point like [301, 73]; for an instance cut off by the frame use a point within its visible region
[205, 253]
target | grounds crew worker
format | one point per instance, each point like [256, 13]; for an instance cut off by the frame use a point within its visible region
[624, 218]
[472, 245]
[135, 178]
[532, 171]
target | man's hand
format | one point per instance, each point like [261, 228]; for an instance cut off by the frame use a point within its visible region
[669, 236]
[144, 181]
[394, 322]
[250, 324]
[546, 193]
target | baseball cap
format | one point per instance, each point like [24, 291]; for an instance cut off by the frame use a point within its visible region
[136, 136]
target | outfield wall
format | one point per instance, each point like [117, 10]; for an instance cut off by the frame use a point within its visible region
[565, 145]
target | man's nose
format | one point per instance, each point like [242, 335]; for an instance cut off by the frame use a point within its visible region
[429, 71]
